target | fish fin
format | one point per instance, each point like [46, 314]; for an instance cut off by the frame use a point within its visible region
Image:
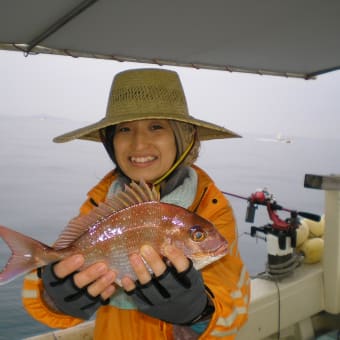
[27, 254]
[131, 195]
[143, 191]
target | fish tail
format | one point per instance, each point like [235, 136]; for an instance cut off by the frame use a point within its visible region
[27, 254]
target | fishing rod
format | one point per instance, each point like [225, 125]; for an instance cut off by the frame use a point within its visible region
[263, 197]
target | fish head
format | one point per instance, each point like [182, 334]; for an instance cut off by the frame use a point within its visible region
[198, 238]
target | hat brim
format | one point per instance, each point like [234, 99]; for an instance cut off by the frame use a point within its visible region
[206, 131]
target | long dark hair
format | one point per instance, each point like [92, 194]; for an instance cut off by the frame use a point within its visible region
[106, 136]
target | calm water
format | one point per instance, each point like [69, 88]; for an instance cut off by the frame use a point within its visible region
[42, 185]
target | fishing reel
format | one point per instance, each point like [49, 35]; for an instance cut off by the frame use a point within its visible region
[280, 235]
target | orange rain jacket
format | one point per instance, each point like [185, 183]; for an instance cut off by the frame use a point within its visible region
[227, 278]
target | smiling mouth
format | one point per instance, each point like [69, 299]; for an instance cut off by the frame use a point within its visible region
[142, 160]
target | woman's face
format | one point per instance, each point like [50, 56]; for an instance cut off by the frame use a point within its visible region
[144, 149]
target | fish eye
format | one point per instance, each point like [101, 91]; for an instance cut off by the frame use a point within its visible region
[197, 233]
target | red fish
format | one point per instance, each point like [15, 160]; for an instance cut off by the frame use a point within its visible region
[116, 229]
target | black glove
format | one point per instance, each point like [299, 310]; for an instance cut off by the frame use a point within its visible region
[67, 297]
[177, 298]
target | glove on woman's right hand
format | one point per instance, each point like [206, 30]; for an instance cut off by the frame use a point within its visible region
[67, 297]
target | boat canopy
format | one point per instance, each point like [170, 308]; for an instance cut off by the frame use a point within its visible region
[288, 38]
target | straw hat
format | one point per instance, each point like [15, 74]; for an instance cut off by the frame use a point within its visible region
[146, 94]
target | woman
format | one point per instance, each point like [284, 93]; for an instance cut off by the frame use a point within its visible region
[149, 135]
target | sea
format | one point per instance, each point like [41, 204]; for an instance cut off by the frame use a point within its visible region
[42, 185]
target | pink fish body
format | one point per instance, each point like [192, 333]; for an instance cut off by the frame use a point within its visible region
[115, 230]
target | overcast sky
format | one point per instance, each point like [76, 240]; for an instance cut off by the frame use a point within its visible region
[78, 88]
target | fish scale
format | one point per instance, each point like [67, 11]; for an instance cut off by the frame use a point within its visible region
[133, 227]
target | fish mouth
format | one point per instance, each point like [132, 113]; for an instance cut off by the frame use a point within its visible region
[203, 259]
[221, 250]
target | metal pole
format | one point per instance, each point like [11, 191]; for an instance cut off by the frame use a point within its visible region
[59, 23]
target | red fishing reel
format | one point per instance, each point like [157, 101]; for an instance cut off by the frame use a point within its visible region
[263, 197]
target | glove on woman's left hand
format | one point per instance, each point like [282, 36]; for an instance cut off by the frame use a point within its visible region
[174, 297]
[177, 298]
